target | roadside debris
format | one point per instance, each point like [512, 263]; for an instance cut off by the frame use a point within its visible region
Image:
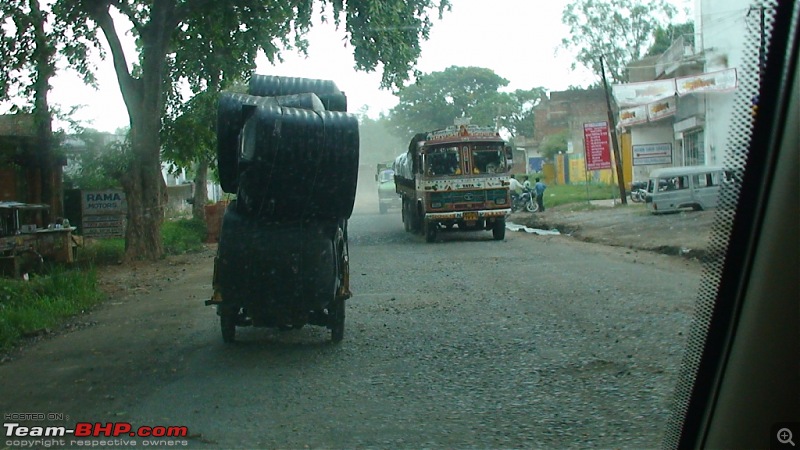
[516, 227]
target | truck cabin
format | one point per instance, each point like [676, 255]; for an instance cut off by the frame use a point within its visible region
[449, 160]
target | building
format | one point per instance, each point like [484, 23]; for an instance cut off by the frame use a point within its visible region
[678, 105]
[28, 174]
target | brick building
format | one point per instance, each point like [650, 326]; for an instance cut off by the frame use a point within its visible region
[26, 173]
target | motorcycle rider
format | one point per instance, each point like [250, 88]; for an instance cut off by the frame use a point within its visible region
[515, 188]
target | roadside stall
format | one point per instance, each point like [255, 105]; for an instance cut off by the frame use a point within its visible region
[26, 243]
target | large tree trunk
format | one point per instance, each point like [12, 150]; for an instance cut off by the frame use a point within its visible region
[200, 191]
[48, 163]
[143, 183]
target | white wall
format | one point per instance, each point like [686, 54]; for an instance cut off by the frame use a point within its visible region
[725, 27]
[656, 133]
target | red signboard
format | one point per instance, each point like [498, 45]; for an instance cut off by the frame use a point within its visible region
[595, 139]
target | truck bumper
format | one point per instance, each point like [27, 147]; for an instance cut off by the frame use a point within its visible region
[464, 215]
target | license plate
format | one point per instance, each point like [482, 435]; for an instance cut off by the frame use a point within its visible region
[471, 216]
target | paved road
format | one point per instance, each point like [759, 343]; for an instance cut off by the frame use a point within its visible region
[467, 342]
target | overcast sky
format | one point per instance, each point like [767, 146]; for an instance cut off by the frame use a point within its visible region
[517, 39]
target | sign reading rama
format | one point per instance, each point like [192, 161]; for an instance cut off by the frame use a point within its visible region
[103, 202]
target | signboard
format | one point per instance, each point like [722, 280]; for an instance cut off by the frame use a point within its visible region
[722, 81]
[652, 154]
[632, 94]
[103, 213]
[659, 110]
[596, 145]
[632, 116]
[103, 202]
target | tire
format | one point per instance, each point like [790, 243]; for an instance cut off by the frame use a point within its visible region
[531, 206]
[406, 217]
[337, 320]
[227, 322]
[430, 231]
[499, 229]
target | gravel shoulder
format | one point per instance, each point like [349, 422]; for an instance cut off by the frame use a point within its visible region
[685, 234]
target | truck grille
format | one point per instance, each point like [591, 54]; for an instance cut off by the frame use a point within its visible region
[449, 198]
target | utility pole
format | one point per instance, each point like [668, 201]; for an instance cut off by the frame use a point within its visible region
[613, 125]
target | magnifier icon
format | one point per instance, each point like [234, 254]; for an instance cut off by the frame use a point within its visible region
[785, 436]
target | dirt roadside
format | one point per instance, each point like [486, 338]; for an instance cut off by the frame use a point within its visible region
[685, 234]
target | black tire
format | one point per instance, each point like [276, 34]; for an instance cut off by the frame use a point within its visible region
[336, 318]
[430, 229]
[406, 217]
[531, 206]
[499, 229]
[227, 322]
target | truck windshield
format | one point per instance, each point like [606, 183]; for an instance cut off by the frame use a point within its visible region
[488, 159]
[443, 161]
[386, 176]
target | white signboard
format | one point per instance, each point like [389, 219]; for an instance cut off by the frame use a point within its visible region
[652, 154]
[103, 213]
[103, 202]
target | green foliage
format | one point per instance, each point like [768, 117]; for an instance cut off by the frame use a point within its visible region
[664, 37]
[190, 136]
[183, 235]
[436, 99]
[619, 30]
[553, 144]
[101, 161]
[28, 307]
[101, 252]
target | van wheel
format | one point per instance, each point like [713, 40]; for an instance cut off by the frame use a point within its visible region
[697, 207]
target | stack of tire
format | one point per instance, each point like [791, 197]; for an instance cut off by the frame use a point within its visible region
[289, 150]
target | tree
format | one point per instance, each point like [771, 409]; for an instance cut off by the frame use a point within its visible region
[28, 54]
[554, 143]
[665, 37]
[190, 142]
[436, 99]
[619, 30]
[380, 31]
[101, 160]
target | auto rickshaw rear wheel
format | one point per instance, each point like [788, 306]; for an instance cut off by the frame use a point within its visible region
[227, 322]
[336, 320]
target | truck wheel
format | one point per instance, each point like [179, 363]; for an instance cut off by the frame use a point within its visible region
[336, 318]
[430, 231]
[499, 229]
[406, 217]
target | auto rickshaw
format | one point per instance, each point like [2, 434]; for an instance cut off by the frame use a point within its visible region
[282, 259]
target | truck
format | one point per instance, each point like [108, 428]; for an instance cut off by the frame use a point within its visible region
[387, 191]
[455, 179]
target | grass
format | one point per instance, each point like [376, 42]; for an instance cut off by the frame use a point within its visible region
[565, 194]
[183, 235]
[101, 252]
[28, 307]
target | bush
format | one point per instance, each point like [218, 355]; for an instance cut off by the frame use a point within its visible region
[28, 307]
[99, 252]
[183, 235]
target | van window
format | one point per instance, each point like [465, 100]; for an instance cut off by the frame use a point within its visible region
[705, 180]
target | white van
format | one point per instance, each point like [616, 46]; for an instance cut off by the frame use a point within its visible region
[674, 188]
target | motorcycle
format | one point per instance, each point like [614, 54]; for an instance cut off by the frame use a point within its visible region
[638, 191]
[525, 201]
